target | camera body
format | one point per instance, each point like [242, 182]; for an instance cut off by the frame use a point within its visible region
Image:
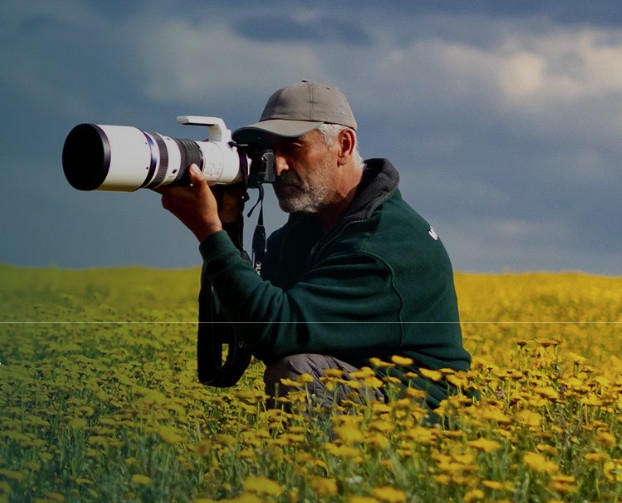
[124, 158]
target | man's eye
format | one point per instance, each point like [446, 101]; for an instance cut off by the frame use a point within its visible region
[292, 147]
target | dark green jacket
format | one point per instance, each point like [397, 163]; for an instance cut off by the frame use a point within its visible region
[378, 284]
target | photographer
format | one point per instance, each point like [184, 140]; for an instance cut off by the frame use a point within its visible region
[354, 274]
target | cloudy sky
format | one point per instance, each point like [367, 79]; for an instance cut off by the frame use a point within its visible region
[503, 118]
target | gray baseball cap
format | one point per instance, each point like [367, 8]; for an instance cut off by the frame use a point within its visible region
[297, 109]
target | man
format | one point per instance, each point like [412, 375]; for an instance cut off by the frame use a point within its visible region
[354, 274]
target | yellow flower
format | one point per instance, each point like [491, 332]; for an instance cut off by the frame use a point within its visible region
[290, 383]
[336, 373]
[563, 484]
[170, 435]
[348, 434]
[306, 378]
[540, 463]
[244, 498]
[605, 439]
[421, 435]
[474, 495]
[141, 480]
[529, 418]
[592, 400]
[342, 451]
[262, 485]
[372, 382]
[323, 486]
[613, 470]
[12, 474]
[491, 413]
[377, 440]
[432, 375]
[485, 445]
[389, 494]
[54, 496]
[377, 362]
[417, 394]
[362, 499]
[594, 457]
[496, 485]
[442, 478]
[402, 361]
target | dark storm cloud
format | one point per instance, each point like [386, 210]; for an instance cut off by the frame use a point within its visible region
[282, 28]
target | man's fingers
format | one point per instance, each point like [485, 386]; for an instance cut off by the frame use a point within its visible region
[196, 175]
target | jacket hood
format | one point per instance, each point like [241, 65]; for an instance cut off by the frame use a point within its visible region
[380, 180]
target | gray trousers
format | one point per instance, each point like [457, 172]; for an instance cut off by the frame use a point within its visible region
[291, 367]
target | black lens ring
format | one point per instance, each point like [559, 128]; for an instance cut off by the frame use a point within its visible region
[190, 154]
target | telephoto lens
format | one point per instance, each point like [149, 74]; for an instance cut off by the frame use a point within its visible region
[124, 158]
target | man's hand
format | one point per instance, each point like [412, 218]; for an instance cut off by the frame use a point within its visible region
[195, 205]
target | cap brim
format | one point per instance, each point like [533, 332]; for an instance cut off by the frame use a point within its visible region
[262, 131]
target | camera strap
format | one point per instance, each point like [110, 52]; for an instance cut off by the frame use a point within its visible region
[216, 336]
[259, 235]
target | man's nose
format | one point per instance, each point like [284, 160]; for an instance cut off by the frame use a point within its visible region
[280, 163]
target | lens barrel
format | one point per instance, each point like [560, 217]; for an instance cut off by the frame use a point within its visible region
[124, 158]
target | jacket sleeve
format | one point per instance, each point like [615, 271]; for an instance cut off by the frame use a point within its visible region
[316, 314]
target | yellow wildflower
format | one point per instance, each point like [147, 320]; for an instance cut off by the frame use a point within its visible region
[605, 439]
[595, 457]
[262, 485]
[529, 418]
[417, 394]
[613, 470]
[336, 373]
[540, 463]
[141, 480]
[563, 484]
[170, 435]
[496, 485]
[402, 361]
[323, 486]
[592, 400]
[290, 383]
[54, 496]
[432, 375]
[377, 362]
[342, 451]
[348, 434]
[389, 494]
[12, 474]
[474, 495]
[485, 445]
[362, 499]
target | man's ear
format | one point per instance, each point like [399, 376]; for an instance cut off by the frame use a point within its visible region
[346, 141]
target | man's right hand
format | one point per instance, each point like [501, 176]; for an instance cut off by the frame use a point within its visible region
[195, 205]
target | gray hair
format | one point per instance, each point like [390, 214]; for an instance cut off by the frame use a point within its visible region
[329, 134]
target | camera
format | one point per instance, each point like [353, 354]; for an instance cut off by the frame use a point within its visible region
[124, 158]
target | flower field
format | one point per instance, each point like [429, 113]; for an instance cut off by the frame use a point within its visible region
[99, 402]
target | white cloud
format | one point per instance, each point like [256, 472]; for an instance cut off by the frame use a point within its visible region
[561, 67]
[185, 61]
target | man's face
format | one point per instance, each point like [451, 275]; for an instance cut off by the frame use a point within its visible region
[306, 169]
